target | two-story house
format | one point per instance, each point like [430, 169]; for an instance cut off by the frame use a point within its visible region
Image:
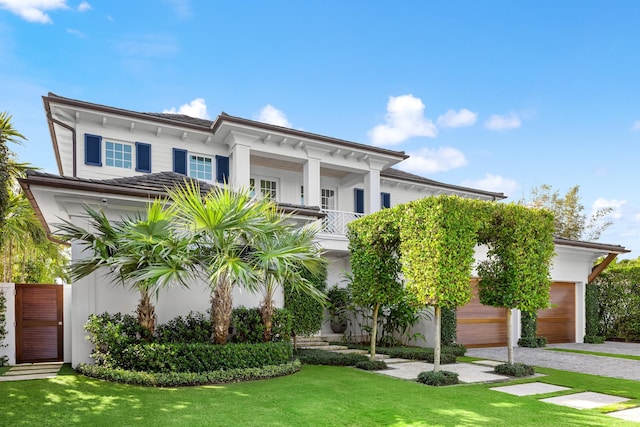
[118, 159]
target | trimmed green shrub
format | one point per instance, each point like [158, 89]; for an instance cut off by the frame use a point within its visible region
[173, 379]
[418, 353]
[247, 325]
[515, 370]
[371, 365]
[306, 311]
[198, 357]
[456, 349]
[532, 342]
[438, 378]
[195, 327]
[594, 339]
[529, 326]
[111, 335]
[619, 300]
[323, 357]
[448, 325]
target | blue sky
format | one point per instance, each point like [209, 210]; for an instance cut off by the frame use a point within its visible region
[499, 95]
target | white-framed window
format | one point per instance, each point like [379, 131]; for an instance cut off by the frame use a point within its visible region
[118, 155]
[266, 187]
[328, 199]
[200, 167]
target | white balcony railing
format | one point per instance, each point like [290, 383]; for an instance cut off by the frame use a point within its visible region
[336, 221]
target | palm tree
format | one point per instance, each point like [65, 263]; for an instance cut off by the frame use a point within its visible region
[280, 255]
[7, 165]
[222, 224]
[143, 250]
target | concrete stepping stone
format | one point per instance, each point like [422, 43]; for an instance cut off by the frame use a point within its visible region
[470, 373]
[586, 400]
[632, 414]
[488, 362]
[529, 389]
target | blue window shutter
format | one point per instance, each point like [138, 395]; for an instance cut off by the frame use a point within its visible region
[143, 157]
[92, 150]
[385, 200]
[180, 161]
[358, 204]
[222, 169]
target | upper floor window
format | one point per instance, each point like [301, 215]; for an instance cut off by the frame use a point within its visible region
[328, 199]
[200, 167]
[268, 188]
[118, 155]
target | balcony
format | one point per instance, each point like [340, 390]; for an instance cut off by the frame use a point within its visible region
[336, 221]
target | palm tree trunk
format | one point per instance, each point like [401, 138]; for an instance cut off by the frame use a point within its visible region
[221, 310]
[374, 332]
[438, 344]
[146, 313]
[266, 311]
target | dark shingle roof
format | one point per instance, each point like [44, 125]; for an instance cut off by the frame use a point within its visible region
[182, 118]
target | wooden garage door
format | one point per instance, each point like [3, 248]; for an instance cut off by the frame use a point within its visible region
[558, 324]
[480, 325]
[39, 323]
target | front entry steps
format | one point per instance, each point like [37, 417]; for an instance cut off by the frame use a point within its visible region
[319, 343]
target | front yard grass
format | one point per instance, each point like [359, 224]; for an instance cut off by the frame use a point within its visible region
[596, 353]
[316, 396]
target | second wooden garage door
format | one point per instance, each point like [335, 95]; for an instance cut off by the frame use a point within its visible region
[558, 324]
[480, 325]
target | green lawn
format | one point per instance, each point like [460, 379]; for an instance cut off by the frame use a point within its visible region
[596, 353]
[316, 396]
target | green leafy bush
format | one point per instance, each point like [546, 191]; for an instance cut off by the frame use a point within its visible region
[306, 311]
[195, 327]
[515, 370]
[618, 290]
[456, 349]
[323, 357]
[3, 326]
[371, 365]
[529, 326]
[111, 335]
[419, 353]
[448, 325]
[628, 327]
[439, 378]
[594, 339]
[247, 325]
[172, 379]
[198, 357]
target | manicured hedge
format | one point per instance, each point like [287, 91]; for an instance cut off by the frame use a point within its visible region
[323, 357]
[172, 379]
[199, 357]
[515, 370]
[438, 378]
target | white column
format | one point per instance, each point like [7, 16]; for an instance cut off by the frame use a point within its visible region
[311, 182]
[240, 165]
[372, 191]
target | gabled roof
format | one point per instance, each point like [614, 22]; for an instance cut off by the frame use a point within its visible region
[406, 176]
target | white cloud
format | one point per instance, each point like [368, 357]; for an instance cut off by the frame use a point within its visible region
[404, 119]
[182, 8]
[33, 10]
[429, 160]
[503, 122]
[495, 183]
[84, 6]
[76, 33]
[196, 108]
[635, 126]
[273, 116]
[614, 204]
[457, 119]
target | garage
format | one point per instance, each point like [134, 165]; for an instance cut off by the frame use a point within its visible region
[480, 325]
[558, 324]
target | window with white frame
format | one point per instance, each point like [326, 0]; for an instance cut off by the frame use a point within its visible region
[201, 167]
[268, 188]
[328, 199]
[118, 155]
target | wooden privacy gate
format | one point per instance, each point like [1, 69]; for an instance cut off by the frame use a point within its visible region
[39, 320]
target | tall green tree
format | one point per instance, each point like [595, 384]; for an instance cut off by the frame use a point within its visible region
[224, 226]
[143, 251]
[7, 162]
[281, 256]
[570, 221]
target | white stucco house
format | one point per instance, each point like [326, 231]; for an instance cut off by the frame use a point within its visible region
[118, 160]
